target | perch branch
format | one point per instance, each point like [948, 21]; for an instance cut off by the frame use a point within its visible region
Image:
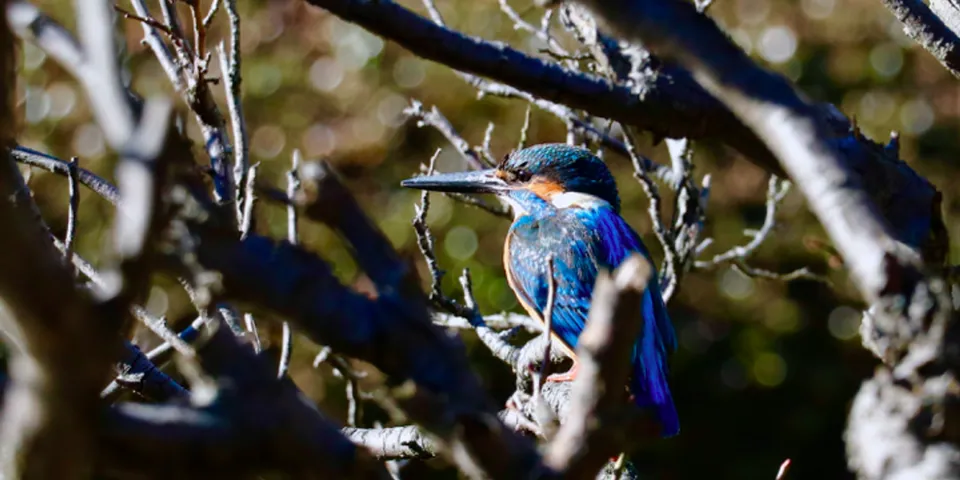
[673, 105]
[888, 274]
[393, 331]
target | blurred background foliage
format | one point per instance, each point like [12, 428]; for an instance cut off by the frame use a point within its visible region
[765, 369]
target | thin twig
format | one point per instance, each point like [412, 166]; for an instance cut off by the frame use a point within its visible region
[248, 220]
[293, 236]
[145, 20]
[251, 324]
[72, 213]
[485, 148]
[199, 31]
[156, 325]
[776, 191]
[526, 125]
[435, 119]
[653, 193]
[214, 8]
[541, 33]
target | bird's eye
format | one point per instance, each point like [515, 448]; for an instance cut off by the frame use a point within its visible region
[523, 175]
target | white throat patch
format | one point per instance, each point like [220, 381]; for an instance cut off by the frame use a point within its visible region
[577, 200]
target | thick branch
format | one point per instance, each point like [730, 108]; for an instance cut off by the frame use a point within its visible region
[669, 104]
[791, 128]
[59, 359]
[393, 331]
[911, 314]
[926, 28]
[256, 424]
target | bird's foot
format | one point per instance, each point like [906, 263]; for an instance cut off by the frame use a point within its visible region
[568, 376]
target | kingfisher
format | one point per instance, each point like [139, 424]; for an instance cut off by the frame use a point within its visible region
[567, 210]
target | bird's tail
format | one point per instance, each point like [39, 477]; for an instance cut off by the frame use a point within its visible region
[656, 398]
[648, 383]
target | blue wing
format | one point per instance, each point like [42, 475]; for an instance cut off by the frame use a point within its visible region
[582, 241]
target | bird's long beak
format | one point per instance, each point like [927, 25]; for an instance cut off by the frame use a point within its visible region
[482, 181]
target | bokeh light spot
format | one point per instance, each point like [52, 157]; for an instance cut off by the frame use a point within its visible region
[37, 105]
[354, 45]
[325, 74]
[817, 9]
[461, 242]
[752, 12]
[777, 44]
[782, 316]
[33, 56]
[319, 141]
[876, 107]
[769, 369]
[736, 285]
[267, 141]
[886, 59]
[62, 100]
[390, 110]
[263, 80]
[500, 296]
[88, 141]
[408, 72]
[916, 116]
[844, 322]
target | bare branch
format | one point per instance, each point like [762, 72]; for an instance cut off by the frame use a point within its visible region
[232, 83]
[187, 74]
[108, 98]
[501, 321]
[910, 313]
[801, 140]
[52, 164]
[256, 424]
[293, 236]
[663, 235]
[247, 221]
[392, 331]
[776, 191]
[72, 212]
[54, 398]
[522, 143]
[928, 30]
[393, 442]
[672, 105]
[435, 119]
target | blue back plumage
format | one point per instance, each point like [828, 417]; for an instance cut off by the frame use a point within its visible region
[583, 240]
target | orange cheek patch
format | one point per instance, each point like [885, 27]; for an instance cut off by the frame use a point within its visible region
[545, 188]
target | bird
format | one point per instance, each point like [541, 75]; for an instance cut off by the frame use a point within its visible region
[566, 210]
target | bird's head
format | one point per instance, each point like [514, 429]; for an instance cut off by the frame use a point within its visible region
[553, 173]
